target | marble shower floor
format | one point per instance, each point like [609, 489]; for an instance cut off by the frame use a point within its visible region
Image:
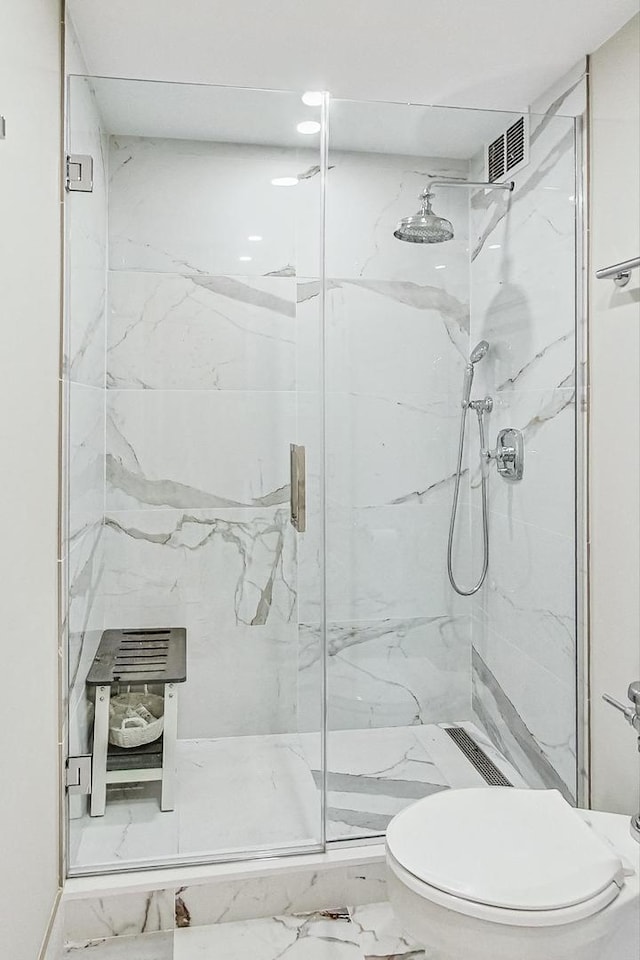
[360, 933]
[251, 794]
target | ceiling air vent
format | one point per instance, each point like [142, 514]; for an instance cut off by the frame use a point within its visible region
[508, 152]
[495, 159]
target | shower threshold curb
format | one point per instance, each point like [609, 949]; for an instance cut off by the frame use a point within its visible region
[160, 901]
[355, 853]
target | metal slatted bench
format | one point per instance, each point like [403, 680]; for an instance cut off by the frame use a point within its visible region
[135, 658]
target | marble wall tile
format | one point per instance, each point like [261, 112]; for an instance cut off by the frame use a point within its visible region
[397, 340]
[403, 343]
[86, 459]
[158, 221]
[523, 303]
[153, 946]
[524, 648]
[241, 563]
[371, 193]
[384, 673]
[170, 332]
[542, 763]
[229, 577]
[545, 497]
[374, 458]
[121, 915]
[528, 598]
[383, 562]
[198, 448]
[523, 269]
[282, 894]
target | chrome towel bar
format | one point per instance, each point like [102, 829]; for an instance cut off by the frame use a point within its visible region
[619, 272]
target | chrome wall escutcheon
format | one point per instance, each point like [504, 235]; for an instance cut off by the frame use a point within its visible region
[298, 487]
[508, 454]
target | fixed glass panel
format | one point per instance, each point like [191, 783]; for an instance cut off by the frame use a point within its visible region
[193, 326]
[408, 658]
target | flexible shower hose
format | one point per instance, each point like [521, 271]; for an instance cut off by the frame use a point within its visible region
[454, 508]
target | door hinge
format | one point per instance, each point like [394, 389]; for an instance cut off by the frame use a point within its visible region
[79, 172]
[77, 778]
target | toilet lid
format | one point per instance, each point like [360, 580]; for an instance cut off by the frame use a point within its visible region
[509, 848]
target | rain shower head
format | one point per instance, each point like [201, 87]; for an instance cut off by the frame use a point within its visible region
[479, 351]
[424, 226]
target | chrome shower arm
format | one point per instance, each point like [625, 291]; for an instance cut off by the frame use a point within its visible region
[507, 185]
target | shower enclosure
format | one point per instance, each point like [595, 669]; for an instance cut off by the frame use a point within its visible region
[234, 287]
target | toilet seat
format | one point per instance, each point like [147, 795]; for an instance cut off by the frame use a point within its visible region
[518, 857]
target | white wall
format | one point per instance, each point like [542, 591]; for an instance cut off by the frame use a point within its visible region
[29, 350]
[615, 404]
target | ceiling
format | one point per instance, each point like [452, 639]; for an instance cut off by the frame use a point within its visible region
[497, 54]
[231, 115]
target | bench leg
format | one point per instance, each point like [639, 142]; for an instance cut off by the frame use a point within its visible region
[170, 737]
[100, 747]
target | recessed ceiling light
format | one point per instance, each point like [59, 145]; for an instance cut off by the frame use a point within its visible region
[312, 98]
[245, 258]
[284, 181]
[254, 238]
[441, 266]
[308, 127]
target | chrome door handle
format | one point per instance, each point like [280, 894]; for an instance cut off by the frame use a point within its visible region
[298, 473]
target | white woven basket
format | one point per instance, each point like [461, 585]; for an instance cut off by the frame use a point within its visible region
[133, 731]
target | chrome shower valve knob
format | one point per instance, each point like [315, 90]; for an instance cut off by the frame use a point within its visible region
[508, 454]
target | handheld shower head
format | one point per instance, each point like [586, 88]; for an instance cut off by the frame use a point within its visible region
[479, 351]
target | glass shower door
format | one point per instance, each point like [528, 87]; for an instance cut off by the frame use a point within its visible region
[192, 364]
[413, 669]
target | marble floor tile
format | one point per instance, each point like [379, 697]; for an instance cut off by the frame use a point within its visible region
[363, 933]
[258, 794]
[380, 934]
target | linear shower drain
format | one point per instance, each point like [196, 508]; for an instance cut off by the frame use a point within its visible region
[476, 755]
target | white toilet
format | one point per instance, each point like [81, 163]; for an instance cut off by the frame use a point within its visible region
[496, 873]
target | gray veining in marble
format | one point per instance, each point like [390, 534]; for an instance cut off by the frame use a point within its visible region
[236, 290]
[346, 933]
[523, 190]
[171, 493]
[192, 532]
[507, 729]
